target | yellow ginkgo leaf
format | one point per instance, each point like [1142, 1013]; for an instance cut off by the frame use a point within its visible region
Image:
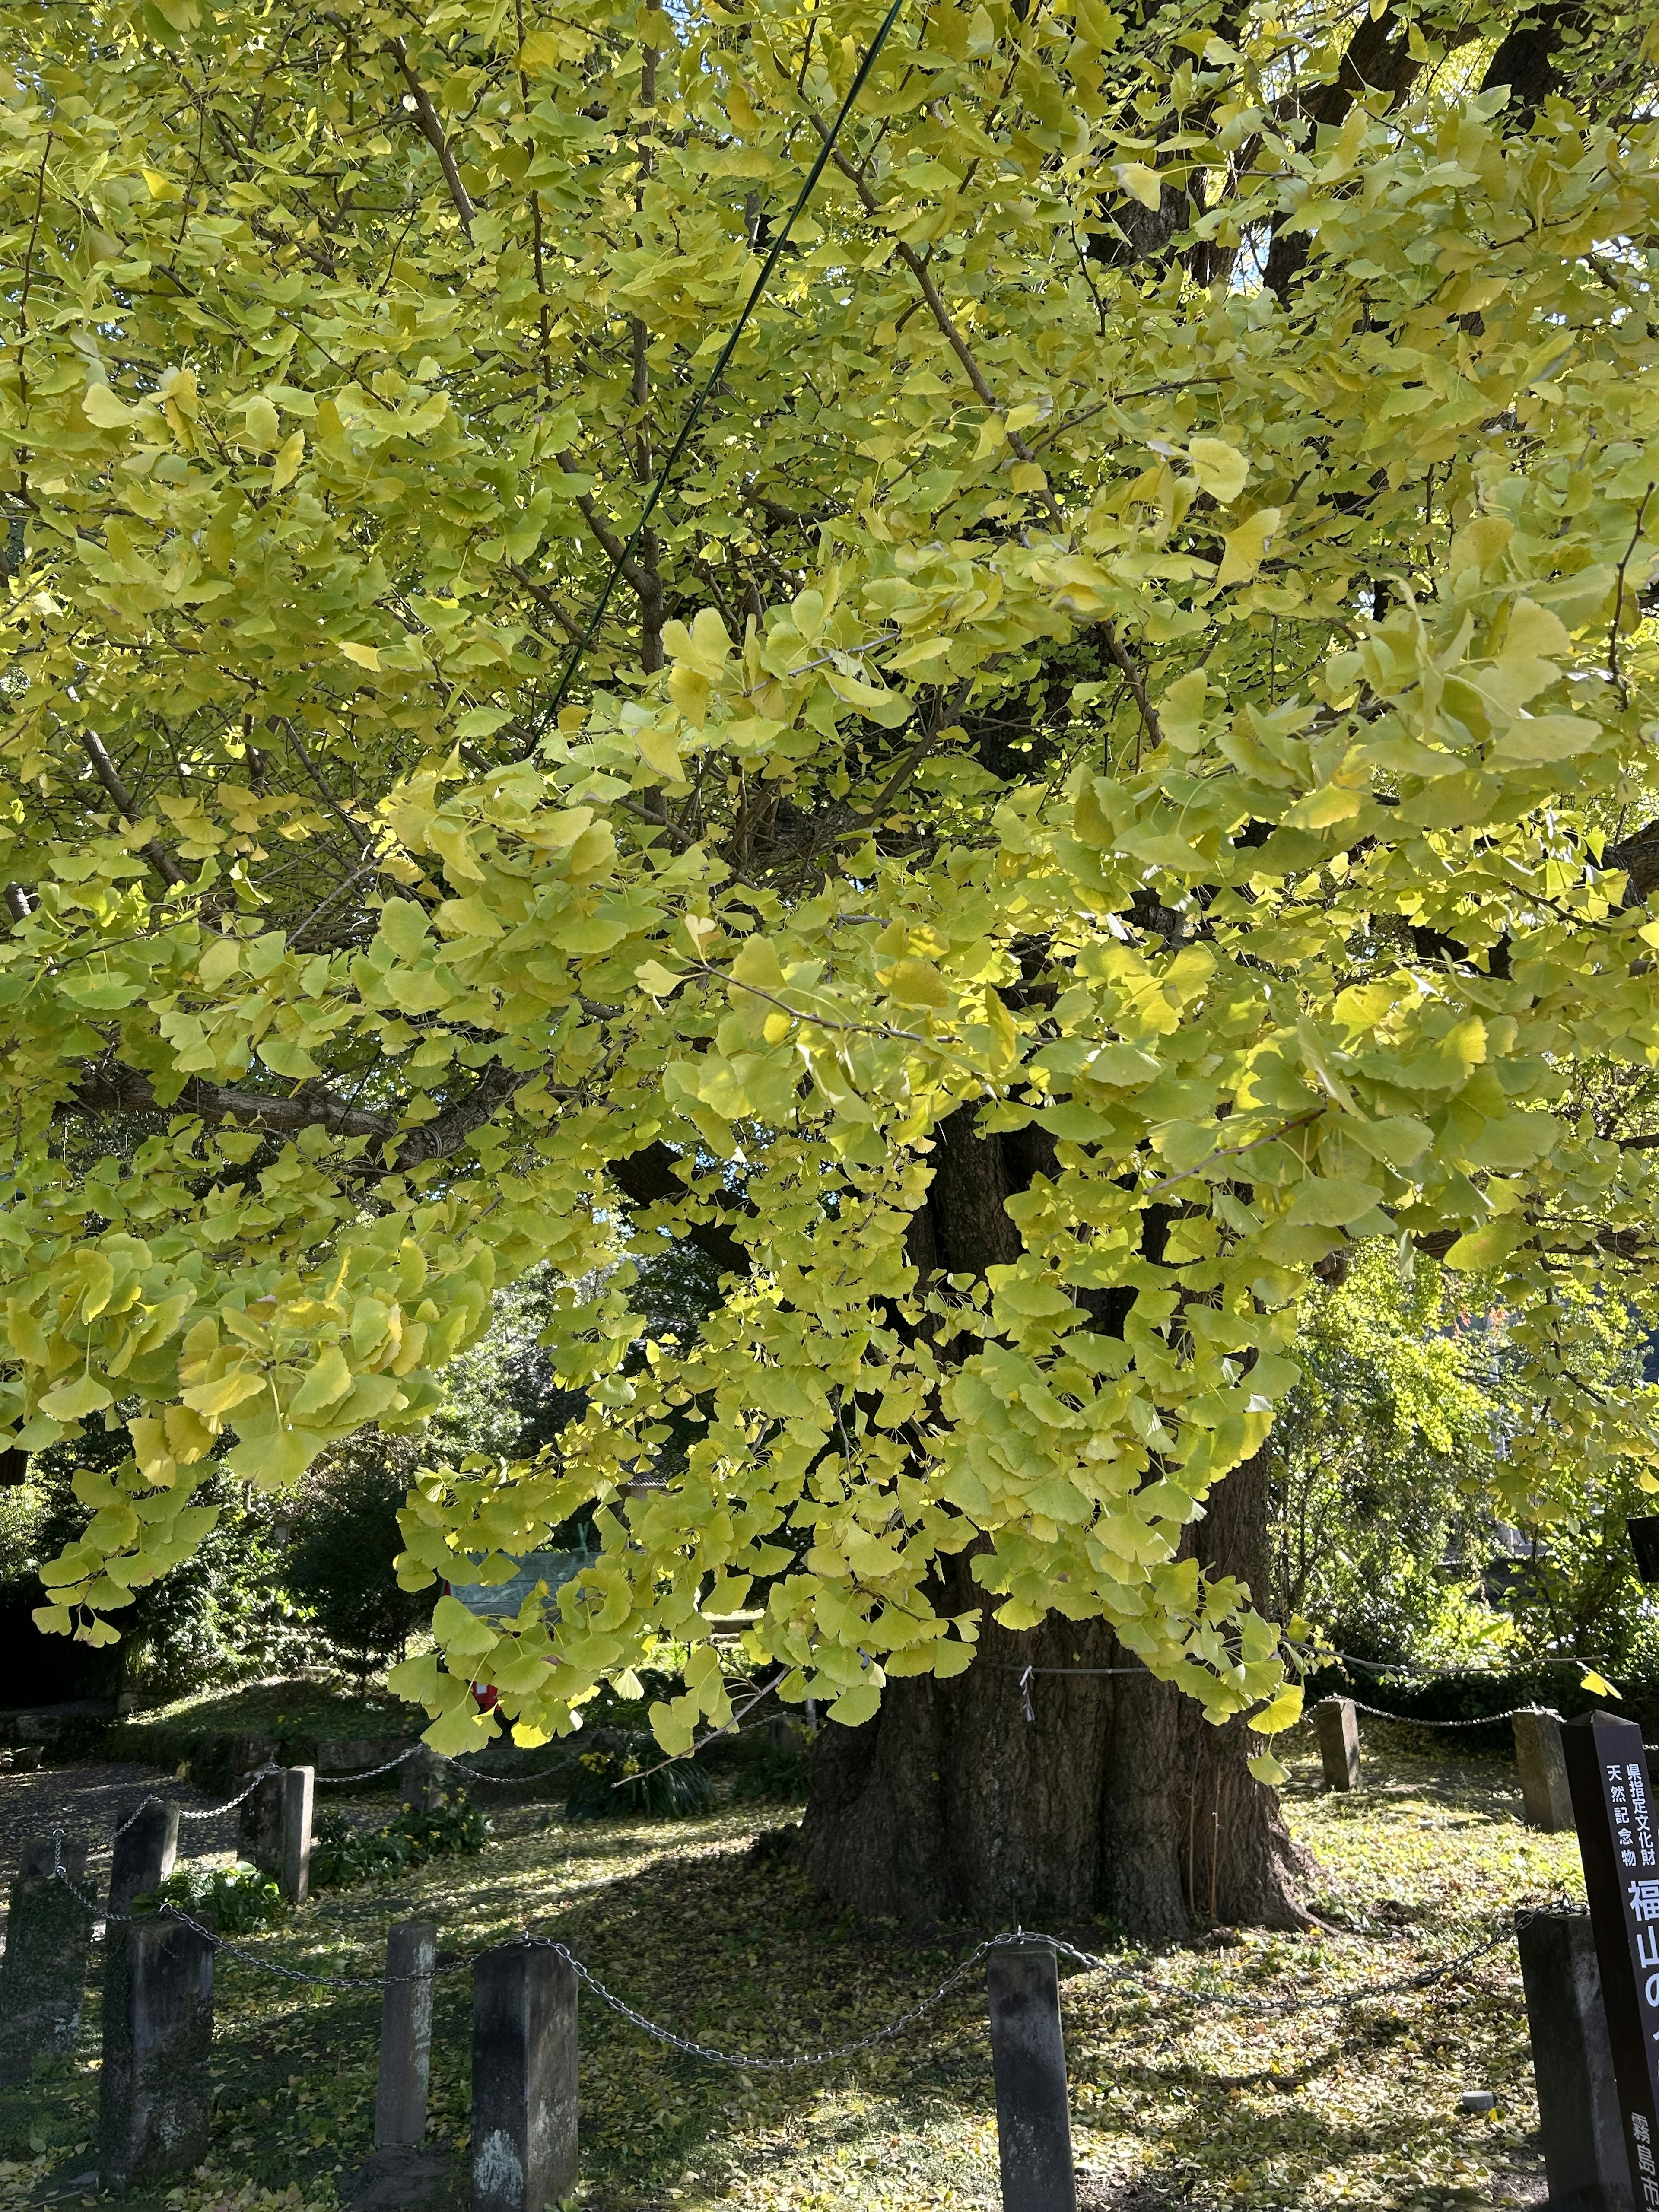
[1221, 470]
[287, 461]
[1139, 182]
[1247, 546]
[101, 407]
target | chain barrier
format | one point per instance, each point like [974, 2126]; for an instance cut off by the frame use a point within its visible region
[58, 1872]
[504, 1781]
[694, 2050]
[367, 1773]
[1470, 1673]
[201, 1812]
[1411, 1720]
[1368, 1993]
[297, 1974]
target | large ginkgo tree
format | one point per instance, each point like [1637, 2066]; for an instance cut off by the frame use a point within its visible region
[1024, 780]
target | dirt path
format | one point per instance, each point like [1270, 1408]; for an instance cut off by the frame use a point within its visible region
[88, 1803]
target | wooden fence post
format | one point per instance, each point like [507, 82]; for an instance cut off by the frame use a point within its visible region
[411, 1951]
[43, 1975]
[1545, 1800]
[155, 2091]
[524, 2079]
[144, 1852]
[1572, 2063]
[1028, 2057]
[294, 1877]
[1337, 1727]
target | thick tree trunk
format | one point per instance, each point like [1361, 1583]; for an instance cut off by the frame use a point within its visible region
[1001, 1797]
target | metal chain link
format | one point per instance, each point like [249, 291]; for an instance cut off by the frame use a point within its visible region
[1368, 1994]
[504, 1781]
[1413, 1720]
[369, 1773]
[694, 2050]
[1339, 2000]
[298, 1974]
[471, 1773]
[169, 1911]
[202, 1813]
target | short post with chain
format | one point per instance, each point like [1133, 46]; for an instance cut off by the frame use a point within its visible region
[43, 1975]
[155, 2090]
[1337, 1726]
[294, 1875]
[145, 1848]
[1028, 2057]
[524, 2079]
[400, 2089]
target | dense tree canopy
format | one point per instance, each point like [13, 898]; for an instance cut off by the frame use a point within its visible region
[1143, 656]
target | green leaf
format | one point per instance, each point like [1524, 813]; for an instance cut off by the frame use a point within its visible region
[326, 1383]
[73, 1400]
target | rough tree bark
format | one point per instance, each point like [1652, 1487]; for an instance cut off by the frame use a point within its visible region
[1111, 1794]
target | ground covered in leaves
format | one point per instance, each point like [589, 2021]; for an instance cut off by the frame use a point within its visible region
[1176, 2101]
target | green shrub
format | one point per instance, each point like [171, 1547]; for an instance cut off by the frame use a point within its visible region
[233, 1900]
[778, 1777]
[340, 1854]
[674, 1792]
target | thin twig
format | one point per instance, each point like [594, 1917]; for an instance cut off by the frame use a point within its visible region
[1613, 669]
[433, 131]
[730, 1728]
[105, 768]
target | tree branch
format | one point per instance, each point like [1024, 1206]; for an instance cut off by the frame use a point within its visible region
[433, 130]
[648, 1178]
[941, 314]
[109, 1089]
[105, 768]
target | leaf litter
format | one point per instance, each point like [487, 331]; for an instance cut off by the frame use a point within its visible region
[1174, 2103]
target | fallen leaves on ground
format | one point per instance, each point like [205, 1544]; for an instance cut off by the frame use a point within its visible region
[1173, 2099]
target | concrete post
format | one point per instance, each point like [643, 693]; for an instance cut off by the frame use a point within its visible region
[411, 1950]
[144, 1852]
[155, 2094]
[1572, 2061]
[1028, 2057]
[259, 1826]
[294, 1877]
[1545, 1800]
[424, 1779]
[524, 2079]
[1338, 1728]
[43, 1975]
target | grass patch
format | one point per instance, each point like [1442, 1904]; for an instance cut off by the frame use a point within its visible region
[343, 1851]
[211, 1732]
[1174, 2104]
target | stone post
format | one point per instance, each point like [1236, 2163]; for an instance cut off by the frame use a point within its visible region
[411, 1950]
[259, 1825]
[1572, 2062]
[424, 1779]
[294, 1877]
[155, 2094]
[144, 1852]
[524, 2079]
[1337, 1727]
[1545, 1800]
[43, 1975]
[1028, 2057]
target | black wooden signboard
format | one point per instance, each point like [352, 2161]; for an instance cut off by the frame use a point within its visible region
[1613, 1804]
